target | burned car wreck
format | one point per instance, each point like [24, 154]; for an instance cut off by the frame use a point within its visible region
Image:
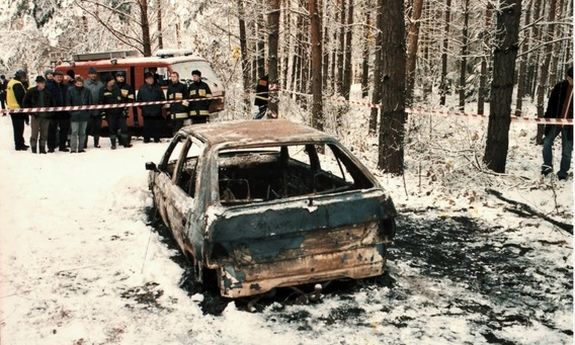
[271, 203]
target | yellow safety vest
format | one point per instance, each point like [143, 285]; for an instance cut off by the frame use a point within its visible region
[10, 96]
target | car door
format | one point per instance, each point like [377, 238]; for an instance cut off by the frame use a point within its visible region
[163, 181]
[180, 201]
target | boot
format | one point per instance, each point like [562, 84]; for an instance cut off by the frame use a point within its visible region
[33, 149]
[42, 150]
[113, 140]
[126, 140]
[97, 142]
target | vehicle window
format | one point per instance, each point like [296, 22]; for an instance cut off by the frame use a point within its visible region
[277, 172]
[188, 168]
[185, 69]
[171, 156]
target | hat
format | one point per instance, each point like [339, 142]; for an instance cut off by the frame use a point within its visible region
[71, 73]
[20, 74]
[148, 75]
[196, 72]
[2, 76]
[40, 79]
[92, 70]
[58, 72]
[78, 79]
[120, 74]
[107, 78]
[47, 72]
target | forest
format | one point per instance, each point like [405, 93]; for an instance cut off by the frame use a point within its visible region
[460, 54]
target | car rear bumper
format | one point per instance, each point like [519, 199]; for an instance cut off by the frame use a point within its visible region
[247, 280]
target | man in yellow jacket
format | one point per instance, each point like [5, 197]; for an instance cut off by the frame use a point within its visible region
[15, 92]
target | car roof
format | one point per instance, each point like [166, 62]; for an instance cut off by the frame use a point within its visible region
[253, 132]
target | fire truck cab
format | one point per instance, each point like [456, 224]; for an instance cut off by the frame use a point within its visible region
[165, 62]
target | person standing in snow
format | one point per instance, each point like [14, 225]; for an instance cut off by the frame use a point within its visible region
[3, 84]
[127, 96]
[60, 123]
[199, 110]
[95, 124]
[560, 105]
[39, 97]
[78, 95]
[15, 92]
[179, 114]
[262, 97]
[110, 94]
[153, 120]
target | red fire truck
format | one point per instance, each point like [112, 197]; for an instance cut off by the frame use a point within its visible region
[165, 62]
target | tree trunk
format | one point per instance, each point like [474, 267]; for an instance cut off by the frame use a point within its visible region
[544, 70]
[160, 37]
[393, 118]
[482, 93]
[145, 24]
[412, 42]
[244, 54]
[347, 69]
[556, 52]
[377, 68]
[340, 50]
[522, 78]
[262, 45]
[316, 57]
[273, 20]
[505, 53]
[538, 12]
[365, 63]
[464, 52]
[443, 83]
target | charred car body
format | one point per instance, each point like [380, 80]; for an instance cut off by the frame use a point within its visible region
[271, 203]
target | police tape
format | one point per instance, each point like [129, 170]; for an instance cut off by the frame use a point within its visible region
[443, 112]
[102, 106]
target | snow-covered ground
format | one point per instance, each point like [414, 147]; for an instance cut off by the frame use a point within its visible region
[81, 263]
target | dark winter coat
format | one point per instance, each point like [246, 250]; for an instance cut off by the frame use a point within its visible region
[177, 91]
[111, 97]
[199, 90]
[262, 90]
[95, 87]
[126, 92]
[79, 96]
[151, 93]
[37, 99]
[559, 95]
[58, 92]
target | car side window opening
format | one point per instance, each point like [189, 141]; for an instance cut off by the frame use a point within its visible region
[188, 167]
[168, 163]
[269, 173]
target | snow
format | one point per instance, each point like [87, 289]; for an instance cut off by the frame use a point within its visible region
[80, 262]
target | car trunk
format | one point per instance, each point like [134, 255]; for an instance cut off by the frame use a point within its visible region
[286, 242]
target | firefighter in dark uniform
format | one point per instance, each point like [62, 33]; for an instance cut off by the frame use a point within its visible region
[179, 114]
[153, 120]
[15, 92]
[126, 96]
[262, 97]
[199, 110]
[110, 94]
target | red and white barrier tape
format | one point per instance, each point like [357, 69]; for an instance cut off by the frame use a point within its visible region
[421, 111]
[101, 106]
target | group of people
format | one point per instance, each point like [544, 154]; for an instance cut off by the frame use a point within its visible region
[63, 129]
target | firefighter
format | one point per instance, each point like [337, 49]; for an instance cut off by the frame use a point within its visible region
[15, 92]
[179, 114]
[261, 100]
[199, 110]
[39, 97]
[60, 122]
[95, 123]
[153, 120]
[126, 96]
[110, 94]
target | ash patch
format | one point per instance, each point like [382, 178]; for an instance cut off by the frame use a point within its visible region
[145, 296]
